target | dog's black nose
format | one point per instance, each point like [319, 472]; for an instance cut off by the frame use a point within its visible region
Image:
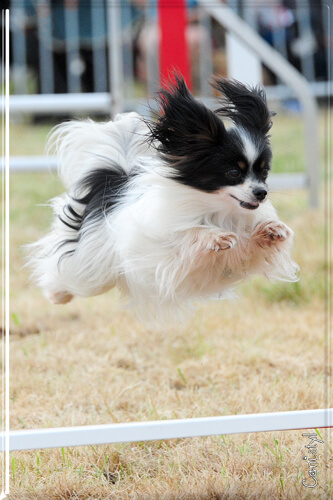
[260, 193]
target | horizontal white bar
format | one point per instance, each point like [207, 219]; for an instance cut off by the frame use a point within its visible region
[288, 181]
[31, 163]
[51, 104]
[166, 429]
[100, 102]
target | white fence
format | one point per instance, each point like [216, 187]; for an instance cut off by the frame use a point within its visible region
[116, 100]
[57, 47]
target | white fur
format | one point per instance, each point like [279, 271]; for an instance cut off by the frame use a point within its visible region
[82, 146]
[250, 150]
[166, 246]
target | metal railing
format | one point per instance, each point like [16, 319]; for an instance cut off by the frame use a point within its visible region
[60, 48]
[288, 74]
[63, 59]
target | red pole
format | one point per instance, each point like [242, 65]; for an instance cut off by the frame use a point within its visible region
[172, 16]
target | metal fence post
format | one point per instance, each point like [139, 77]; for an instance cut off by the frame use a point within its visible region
[115, 56]
[290, 76]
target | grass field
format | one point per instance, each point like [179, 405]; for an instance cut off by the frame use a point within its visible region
[90, 362]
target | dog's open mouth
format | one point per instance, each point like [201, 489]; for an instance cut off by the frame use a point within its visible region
[245, 204]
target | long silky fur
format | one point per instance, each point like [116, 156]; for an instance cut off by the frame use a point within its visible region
[145, 233]
[245, 106]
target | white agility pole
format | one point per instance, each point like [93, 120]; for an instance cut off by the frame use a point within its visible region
[40, 163]
[168, 429]
[32, 163]
[53, 104]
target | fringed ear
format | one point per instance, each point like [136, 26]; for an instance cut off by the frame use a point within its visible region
[184, 125]
[245, 106]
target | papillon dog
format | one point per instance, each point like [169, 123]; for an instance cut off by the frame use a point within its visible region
[172, 211]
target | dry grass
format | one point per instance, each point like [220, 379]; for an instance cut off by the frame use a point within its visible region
[90, 362]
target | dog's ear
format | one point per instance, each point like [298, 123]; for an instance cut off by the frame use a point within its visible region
[184, 126]
[245, 106]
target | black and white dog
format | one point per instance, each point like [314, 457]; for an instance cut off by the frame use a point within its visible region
[172, 212]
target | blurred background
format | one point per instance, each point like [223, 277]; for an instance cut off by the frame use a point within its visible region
[100, 57]
[70, 45]
[63, 46]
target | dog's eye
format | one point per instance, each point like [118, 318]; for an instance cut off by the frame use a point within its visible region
[264, 173]
[235, 173]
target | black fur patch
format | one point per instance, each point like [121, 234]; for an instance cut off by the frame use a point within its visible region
[186, 135]
[102, 190]
[245, 106]
[193, 140]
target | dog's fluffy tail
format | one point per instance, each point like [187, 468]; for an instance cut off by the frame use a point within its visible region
[84, 146]
[91, 157]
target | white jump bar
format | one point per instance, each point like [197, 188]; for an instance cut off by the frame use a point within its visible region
[51, 104]
[166, 429]
[32, 163]
[39, 163]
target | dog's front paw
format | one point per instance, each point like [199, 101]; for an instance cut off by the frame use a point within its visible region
[271, 233]
[216, 242]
